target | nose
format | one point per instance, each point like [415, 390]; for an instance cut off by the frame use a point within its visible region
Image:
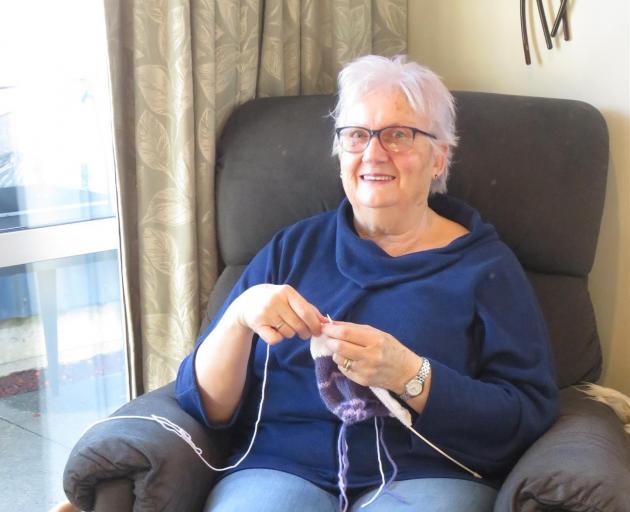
[375, 150]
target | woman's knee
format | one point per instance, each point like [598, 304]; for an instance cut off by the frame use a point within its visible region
[430, 495]
[268, 490]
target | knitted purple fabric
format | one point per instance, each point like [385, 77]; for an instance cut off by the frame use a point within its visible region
[351, 403]
[346, 399]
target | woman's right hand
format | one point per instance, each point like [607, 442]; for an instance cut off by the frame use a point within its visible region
[276, 312]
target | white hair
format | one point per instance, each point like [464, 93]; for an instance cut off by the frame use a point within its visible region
[426, 93]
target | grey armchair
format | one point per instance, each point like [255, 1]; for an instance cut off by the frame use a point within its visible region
[534, 167]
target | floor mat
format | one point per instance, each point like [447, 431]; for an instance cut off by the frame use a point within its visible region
[38, 378]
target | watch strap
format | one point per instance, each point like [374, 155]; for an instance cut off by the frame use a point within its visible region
[421, 377]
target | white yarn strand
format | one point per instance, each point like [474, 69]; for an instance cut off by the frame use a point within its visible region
[380, 467]
[186, 437]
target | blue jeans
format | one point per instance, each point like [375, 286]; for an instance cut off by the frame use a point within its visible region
[267, 490]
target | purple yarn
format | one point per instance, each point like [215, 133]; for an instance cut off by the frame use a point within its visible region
[386, 488]
[348, 400]
[351, 403]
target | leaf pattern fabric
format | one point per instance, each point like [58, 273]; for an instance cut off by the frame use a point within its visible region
[178, 69]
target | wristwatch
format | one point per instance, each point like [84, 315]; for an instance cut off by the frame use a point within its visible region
[415, 386]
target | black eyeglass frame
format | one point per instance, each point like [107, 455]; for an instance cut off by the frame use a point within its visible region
[377, 133]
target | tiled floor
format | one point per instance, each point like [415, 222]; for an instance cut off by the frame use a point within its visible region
[37, 432]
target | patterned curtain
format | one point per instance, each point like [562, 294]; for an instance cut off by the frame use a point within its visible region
[178, 68]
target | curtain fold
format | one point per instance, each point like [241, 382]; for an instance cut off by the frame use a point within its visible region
[178, 68]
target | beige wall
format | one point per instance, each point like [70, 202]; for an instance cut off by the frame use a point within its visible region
[477, 46]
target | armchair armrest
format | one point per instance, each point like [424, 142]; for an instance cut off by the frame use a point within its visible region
[165, 472]
[581, 464]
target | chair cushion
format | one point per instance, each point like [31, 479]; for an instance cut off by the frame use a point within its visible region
[536, 169]
[582, 464]
[274, 167]
[568, 312]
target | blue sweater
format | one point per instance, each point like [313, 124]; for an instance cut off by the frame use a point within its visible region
[467, 307]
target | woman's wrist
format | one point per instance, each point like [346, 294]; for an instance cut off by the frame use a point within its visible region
[230, 328]
[230, 337]
[234, 317]
[410, 368]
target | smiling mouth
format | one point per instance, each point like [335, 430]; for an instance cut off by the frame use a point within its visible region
[377, 177]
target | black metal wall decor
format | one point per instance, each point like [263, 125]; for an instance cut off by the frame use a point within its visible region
[561, 17]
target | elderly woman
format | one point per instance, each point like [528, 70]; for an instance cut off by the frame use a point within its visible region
[426, 303]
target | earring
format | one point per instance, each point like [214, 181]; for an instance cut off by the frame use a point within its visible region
[435, 176]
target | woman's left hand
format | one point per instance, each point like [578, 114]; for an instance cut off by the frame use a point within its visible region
[371, 357]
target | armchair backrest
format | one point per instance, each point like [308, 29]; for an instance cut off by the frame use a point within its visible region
[534, 167]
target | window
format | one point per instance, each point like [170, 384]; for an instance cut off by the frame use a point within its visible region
[62, 363]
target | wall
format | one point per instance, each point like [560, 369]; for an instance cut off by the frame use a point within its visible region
[477, 46]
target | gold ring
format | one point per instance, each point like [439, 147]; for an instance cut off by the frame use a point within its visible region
[347, 365]
[279, 326]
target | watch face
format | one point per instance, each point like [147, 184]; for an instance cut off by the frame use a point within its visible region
[414, 388]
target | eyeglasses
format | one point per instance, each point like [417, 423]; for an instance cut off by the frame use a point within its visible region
[395, 139]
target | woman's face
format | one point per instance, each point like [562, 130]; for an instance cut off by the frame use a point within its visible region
[377, 180]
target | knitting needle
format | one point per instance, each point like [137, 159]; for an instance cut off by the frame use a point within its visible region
[473, 473]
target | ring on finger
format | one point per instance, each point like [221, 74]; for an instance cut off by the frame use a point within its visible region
[347, 364]
[278, 326]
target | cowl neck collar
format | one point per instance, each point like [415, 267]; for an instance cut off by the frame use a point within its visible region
[365, 263]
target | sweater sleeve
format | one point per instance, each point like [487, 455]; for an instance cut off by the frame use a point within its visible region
[260, 270]
[488, 419]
